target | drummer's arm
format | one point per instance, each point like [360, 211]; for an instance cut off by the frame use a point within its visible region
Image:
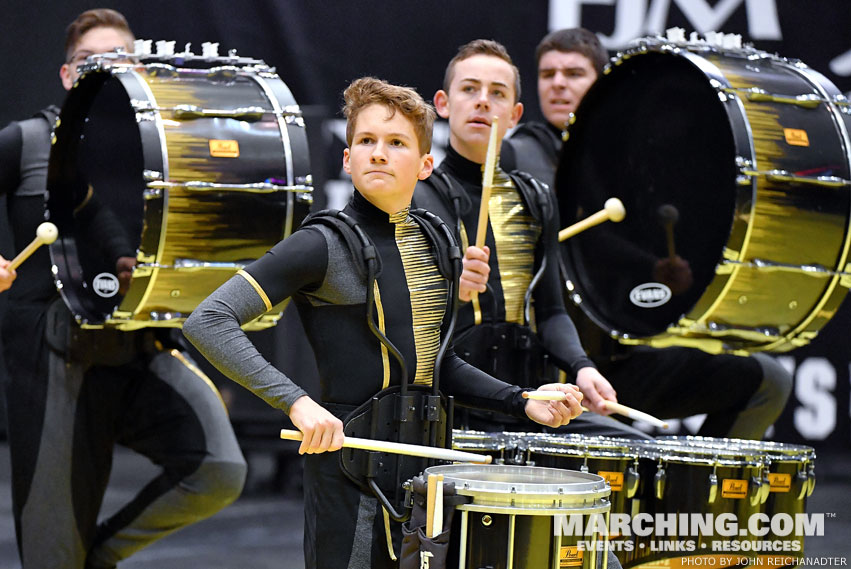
[559, 336]
[10, 176]
[475, 388]
[214, 328]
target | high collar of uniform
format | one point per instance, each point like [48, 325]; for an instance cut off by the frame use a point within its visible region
[464, 169]
[366, 211]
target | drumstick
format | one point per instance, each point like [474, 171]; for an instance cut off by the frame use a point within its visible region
[437, 524]
[634, 414]
[544, 395]
[431, 491]
[45, 234]
[487, 186]
[613, 210]
[400, 448]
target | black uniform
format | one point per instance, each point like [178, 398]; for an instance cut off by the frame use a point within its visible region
[344, 526]
[742, 396]
[522, 237]
[72, 394]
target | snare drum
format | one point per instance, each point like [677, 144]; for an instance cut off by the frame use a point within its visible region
[497, 445]
[733, 167]
[788, 476]
[194, 165]
[687, 477]
[512, 520]
[616, 460]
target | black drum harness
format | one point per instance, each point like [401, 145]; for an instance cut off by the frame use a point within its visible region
[407, 413]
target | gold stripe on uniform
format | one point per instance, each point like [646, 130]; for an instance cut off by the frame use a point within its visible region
[427, 289]
[257, 287]
[194, 369]
[385, 355]
[515, 234]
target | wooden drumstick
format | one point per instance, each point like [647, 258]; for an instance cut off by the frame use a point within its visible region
[613, 210]
[544, 395]
[431, 490]
[401, 448]
[437, 520]
[634, 414]
[45, 234]
[487, 184]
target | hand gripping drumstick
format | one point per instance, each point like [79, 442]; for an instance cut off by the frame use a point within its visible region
[487, 185]
[401, 448]
[612, 406]
[613, 210]
[45, 234]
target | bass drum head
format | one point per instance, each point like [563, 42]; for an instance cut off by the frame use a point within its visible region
[96, 191]
[652, 133]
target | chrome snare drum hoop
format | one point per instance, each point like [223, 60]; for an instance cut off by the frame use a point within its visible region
[518, 516]
[727, 160]
[194, 166]
[496, 445]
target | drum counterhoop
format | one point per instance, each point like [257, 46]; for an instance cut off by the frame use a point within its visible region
[197, 165]
[733, 165]
[512, 518]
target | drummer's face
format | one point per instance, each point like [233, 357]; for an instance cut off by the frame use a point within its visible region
[96, 40]
[563, 79]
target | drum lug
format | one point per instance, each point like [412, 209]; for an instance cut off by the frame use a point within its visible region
[765, 489]
[713, 488]
[754, 490]
[659, 482]
[631, 482]
[802, 485]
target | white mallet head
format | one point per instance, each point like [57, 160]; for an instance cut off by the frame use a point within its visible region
[614, 207]
[47, 233]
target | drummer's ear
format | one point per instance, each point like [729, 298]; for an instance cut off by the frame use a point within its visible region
[65, 75]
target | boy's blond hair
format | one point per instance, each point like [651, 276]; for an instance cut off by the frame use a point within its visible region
[371, 91]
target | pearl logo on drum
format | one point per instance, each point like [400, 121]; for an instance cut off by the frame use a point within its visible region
[650, 295]
[105, 285]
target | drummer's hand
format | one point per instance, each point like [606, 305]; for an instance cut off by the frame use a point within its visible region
[556, 413]
[595, 388]
[322, 431]
[7, 275]
[124, 272]
[474, 278]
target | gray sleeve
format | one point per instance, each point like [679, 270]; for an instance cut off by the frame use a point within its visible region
[214, 328]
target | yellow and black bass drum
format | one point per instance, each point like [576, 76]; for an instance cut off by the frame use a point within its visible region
[733, 166]
[195, 165]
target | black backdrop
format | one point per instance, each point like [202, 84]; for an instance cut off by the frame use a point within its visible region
[319, 46]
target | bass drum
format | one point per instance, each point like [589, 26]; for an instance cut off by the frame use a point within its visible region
[733, 166]
[193, 165]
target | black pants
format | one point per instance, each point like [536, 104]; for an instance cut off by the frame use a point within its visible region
[343, 526]
[66, 415]
[680, 382]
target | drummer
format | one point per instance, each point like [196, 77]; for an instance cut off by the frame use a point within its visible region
[741, 396]
[72, 394]
[494, 329]
[388, 132]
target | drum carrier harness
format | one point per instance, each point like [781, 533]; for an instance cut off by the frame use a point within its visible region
[416, 414]
[509, 351]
